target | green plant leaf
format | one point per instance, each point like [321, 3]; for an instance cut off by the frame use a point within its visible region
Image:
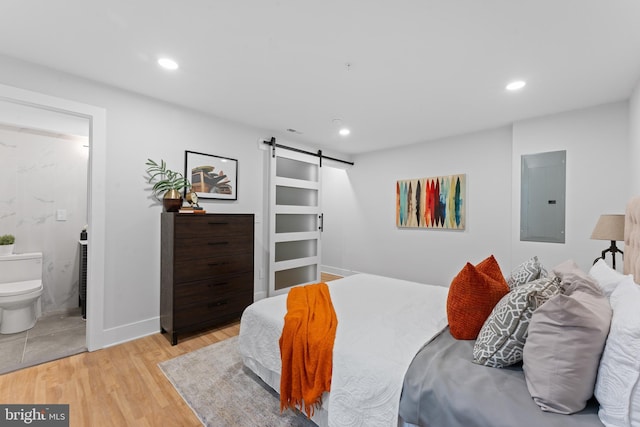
[164, 179]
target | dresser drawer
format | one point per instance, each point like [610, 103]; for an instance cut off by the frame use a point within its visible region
[206, 290]
[213, 310]
[196, 226]
[203, 268]
[211, 245]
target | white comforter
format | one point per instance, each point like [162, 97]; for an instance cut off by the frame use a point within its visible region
[382, 323]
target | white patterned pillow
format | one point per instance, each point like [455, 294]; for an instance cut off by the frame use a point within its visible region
[618, 382]
[502, 337]
[528, 271]
[543, 272]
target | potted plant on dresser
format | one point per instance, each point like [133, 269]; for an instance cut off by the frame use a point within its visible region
[166, 184]
[6, 244]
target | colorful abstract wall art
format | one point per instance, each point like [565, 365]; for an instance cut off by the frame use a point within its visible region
[437, 202]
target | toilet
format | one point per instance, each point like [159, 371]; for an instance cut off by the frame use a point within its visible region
[20, 291]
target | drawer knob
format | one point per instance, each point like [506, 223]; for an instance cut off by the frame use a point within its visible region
[217, 223]
[218, 243]
[211, 285]
[214, 264]
[217, 304]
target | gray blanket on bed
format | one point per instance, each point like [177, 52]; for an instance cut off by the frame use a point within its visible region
[444, 388]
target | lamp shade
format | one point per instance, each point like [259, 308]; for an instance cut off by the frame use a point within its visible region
[609, 227]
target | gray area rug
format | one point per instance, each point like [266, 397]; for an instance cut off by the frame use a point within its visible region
[222, 392]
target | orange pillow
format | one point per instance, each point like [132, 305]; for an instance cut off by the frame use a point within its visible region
[472, 295]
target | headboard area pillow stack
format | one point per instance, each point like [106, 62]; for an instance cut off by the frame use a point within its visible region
[576, 334]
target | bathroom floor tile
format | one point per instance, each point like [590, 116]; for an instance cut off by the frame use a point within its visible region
[54, 336]
[12, 337]
[55, 345]
[11, 355]
[56, 322]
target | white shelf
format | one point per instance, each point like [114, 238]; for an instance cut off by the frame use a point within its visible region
[295, 263]
[290, 237]
[296, 183]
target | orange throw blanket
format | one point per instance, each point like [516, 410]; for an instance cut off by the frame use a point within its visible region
[306, 347]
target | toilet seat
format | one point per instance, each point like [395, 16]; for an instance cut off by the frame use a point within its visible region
[19, 288]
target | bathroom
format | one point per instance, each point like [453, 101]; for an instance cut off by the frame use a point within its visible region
[43, 203]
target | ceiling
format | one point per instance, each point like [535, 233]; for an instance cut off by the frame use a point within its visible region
[395, 73]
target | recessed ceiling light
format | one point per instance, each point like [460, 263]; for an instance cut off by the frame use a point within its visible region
[344, 131]
[168, 63]
[516, 85]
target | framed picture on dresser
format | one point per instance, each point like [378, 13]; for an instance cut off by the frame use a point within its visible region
[211, 176]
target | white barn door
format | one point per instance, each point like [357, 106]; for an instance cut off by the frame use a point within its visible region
[295, 220]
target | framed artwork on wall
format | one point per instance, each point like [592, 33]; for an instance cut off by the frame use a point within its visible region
[211, 177]
[436, 202]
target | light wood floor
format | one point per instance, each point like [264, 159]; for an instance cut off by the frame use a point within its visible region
[326, 277]
[115, 386]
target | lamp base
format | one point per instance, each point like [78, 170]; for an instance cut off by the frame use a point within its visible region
[613, 249]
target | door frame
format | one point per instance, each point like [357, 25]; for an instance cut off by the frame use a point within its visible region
[96, 197]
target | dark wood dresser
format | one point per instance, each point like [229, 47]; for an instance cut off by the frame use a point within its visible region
[206, 271]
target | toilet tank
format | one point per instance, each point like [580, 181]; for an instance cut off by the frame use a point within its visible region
[20, 267]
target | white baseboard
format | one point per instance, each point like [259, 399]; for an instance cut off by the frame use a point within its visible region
[132, 331]
[257, 296]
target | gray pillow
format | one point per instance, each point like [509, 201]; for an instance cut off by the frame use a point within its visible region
[526, 272]
[503, 335]
[562, 353]
[572, 278]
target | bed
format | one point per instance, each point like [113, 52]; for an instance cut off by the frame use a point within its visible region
[382, 323]
[396, 360]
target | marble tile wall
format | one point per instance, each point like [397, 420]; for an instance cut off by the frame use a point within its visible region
[43, 202]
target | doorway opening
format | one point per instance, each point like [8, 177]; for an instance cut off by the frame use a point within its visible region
[94, 120]
[44, 171]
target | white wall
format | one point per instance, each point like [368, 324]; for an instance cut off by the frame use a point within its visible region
[336, 196]
[596, 142]
[360, 209]
[139, 128]
[39, 175]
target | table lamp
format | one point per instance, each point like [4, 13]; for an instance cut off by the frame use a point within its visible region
[609, 227]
